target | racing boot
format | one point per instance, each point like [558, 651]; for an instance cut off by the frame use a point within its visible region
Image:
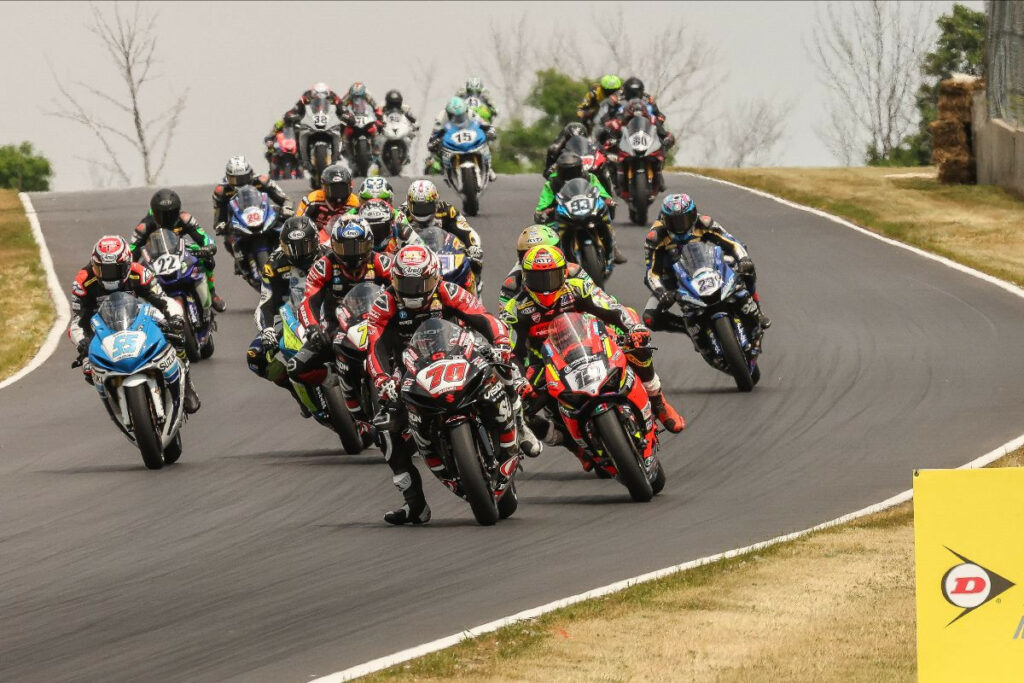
[618, 256]
[764, 321]
[665, 413]
[491, 175]
[218, 303]
[191, 397]
[415, 510]
[528, 441]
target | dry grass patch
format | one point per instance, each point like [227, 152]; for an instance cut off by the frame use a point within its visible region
[26, 312]
[977, 225]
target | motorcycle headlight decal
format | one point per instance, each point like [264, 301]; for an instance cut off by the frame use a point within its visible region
[587, 378]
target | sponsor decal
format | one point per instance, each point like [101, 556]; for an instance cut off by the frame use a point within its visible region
[508, 468]
[968, 585]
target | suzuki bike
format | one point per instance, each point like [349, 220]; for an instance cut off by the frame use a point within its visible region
[581, 219]
[448, 371]
[360, 133]
[602, 403]
[254, 232]
[181, 276]
[466, 159]
[319, 138]
[138, 376]
[719, 313]
[451, 252]
[398, 132]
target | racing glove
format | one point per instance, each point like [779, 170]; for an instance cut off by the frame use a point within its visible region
[639, 336]
[206, 251]
[269, 338]
[287, 210]
[476, 252]
[503, 352]
[220, 228]
[316, 337]
[387, 391]
[665, 297]
[745, 266]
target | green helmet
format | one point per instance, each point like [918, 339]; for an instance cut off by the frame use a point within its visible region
[456, 109]
[535, 236]
[610, 83]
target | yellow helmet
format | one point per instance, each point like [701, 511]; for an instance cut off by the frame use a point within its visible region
[544, 274]
[535, 236]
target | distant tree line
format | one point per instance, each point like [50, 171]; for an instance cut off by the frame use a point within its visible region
[24, 170]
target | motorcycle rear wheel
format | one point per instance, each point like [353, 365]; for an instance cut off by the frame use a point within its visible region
[735, 359]
[471, 474]
[341, 419]
[470, 191]
[623, 453]
[592, 263]
[144, 426]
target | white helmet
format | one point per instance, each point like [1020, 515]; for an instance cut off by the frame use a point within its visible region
[422, 201]
[321, 89]
[238, 171]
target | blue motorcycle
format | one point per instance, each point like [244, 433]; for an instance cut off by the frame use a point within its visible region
[254, 233]
[181, 275]
[719, 312]
[138, 376]
[583, 224]
[456, 266]
[466, 160]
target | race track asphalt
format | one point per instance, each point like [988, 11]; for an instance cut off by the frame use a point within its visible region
[262, 555]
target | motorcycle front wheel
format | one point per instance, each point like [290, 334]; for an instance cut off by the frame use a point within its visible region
[735, 359]
[393, 159]
[623, 453]
[470, 191]
[173, 450]
[362, 156]
[592, 263]
[144, 426]
[321, 160]
[341, 419]
[471, 474]
[639, 194]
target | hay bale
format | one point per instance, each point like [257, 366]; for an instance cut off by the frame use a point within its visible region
[958, 169]
[955, 97]
[948, 134]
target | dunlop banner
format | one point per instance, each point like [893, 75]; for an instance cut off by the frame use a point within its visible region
[969, 549]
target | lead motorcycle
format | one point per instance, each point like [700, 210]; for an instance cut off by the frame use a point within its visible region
[254, 232]
[180, 275]
[447, 372]
[581, 219]
[466, 162]
[719, 312]
[602, 403]
[138, 377]
[319, 138]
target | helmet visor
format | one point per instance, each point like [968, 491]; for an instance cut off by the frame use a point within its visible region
[111, 272]
[237, 180]
[352, 252]
[337, 193]
[413, 291]
[544, 280]
[166, 219]
[424, 210]
[680, 222]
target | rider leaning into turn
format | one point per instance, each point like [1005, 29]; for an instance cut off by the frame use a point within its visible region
[424, 208]
[531, 236]
[237, 174]
[677, 224]
[550, 288]
[165, 213]
[111, 269]
[334, 198]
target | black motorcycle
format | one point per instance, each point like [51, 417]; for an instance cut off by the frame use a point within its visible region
[581, 219]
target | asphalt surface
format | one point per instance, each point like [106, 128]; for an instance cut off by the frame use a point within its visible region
[262, 555]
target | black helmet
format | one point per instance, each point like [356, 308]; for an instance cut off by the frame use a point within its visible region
[569, 166]
[300, 241]
[336, 181]
[165, 207]
[393, 99]
[573, 129]
[633, 87]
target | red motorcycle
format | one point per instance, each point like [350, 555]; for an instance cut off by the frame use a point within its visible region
[284, 161]
[603, 403]
[361, 130]
[640, 158]
[594, 161]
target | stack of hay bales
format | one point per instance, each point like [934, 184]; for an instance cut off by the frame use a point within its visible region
[951, 132]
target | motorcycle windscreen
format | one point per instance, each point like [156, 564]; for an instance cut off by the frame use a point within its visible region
[575, 336]
[640, 136]
[119, 310]
[578, 197]
[360, 298]
[162, 242]
[584, 148]
[437, 338]
[697, 255]
[248, 197]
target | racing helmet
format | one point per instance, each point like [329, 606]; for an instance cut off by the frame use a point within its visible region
[610, 83]
[421, 201]
[380, 216]
[415, 276]
[632, 88]
[678, 213]
[375, 187]
[111, 261]
[573, 129]
[474, 85]
[357, 91]
[393, 99]
[535, 236]
[351, 242]
[321, 89]
[544, 274]
[457, 111]
[336, 181]
[300, 241]
[165, 207]
[238, 171]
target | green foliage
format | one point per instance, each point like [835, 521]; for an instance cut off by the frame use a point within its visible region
[521, 147]
[23, 170]
[959, 48]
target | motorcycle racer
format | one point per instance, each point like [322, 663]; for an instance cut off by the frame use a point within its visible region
[608, 86]
[237, 174]
[455, 113]
[531, 236]
[555, 148]
[320, 89]
[391, 230]
[475, 88]
[333, 199]
[375, 187]
[677, 224]
[165, 213]
[393, 103]
[111, 269]
[423, 208]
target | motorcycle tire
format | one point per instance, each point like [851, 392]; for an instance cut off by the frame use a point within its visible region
[471, 474]
[206, 350]
[321, 160]
[658, 480]
[342, 421]
[470, 191]
[623, 453]
[362, 157]
[509, 502]
[639, 195]
[173, 450]
[591, 262]
[191, 342]
[144, 426]
[394, 160]
[756, 374]
[735, 359]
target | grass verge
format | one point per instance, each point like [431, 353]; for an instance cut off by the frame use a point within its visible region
[834, 605]
[25, 307]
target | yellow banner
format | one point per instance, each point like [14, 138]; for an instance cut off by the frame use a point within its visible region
[969, 548]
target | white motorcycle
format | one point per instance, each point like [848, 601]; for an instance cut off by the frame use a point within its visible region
[398, 133]
[319, 138]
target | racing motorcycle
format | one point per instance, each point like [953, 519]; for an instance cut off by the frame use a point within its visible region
[477, 108]
[181, 277]
[720, 314]
[397, 133]
[360, 132]
[284, 160]
[448, 371]
[640, 157]
[594, 161]
[319, 138]
[254, 232]
[466, 161]
[351, 344]
[451, 252]
[138, 377]
[602, 403]
[581, 219]
[326, 402]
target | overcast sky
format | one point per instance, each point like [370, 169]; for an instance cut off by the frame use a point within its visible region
[245, 63]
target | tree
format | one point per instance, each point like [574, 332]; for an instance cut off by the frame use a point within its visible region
[959, 48]
[511, 54]
[867, 55]
[748, 134]
[131, 44]
[24, 170]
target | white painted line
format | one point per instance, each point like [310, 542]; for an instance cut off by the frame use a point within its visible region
[442, 643]
[60, 302]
